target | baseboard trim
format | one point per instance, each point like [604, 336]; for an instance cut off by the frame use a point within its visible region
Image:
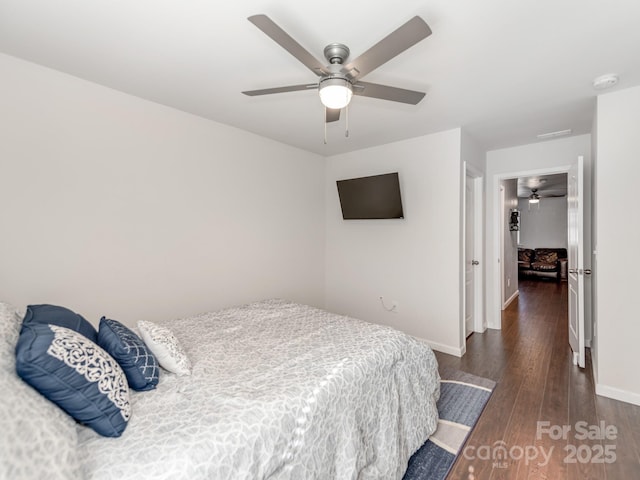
[511, 299]
[617, 394]
[458, 352]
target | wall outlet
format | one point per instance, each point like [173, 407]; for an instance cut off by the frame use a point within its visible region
[509, 282]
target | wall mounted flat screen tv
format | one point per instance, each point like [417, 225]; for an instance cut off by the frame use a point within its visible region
[374, 197]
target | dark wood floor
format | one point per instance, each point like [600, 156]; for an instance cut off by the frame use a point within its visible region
[530, 359]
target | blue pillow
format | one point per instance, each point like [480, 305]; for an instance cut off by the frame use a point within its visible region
[138, 362]
[63, 317]
[75, 374]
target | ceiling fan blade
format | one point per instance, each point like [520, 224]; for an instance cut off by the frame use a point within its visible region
[385, 92]
[283, 39]
[292, 88]
[393, 44]
[332, 114]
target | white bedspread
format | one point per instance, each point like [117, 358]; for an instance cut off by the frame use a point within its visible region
[278, 390]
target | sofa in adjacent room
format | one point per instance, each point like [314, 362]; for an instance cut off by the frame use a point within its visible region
[543, 263]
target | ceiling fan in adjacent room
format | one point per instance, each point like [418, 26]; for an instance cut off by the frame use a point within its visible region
[340, 80]
[535, 197]
[537, 187]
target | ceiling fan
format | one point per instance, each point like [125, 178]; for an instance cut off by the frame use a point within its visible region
[340, 80]
[535, 196]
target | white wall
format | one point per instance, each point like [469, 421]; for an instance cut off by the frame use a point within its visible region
[472, 153]
[552, 156]
[543, 225]
[112, 205]
[509, 257]
[414, 261]
[618, 235]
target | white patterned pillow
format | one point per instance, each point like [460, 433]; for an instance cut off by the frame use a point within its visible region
[165, 346]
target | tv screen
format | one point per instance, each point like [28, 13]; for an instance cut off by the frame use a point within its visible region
[374, 197]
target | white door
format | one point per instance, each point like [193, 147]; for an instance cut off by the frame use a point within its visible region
[575, 197]
[469, 260]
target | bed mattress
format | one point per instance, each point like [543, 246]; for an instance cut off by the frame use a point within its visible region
[278, 390]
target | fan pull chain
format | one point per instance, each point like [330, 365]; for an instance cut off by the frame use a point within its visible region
[346, 121]
[325, 125]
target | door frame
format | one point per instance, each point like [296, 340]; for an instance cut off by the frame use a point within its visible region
[501, 227]
[479, 320]
[494, 319]
[576, 277]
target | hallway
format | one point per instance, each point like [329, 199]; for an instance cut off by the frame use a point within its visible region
[543, 407]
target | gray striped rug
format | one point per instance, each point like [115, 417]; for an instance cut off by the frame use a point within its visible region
[462, 399]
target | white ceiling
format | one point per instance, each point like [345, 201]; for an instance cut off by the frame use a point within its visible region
[504, 70]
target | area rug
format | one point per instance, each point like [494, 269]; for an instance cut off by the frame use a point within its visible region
[462, 399]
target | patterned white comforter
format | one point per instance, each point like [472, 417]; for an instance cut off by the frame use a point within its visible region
[282, 391]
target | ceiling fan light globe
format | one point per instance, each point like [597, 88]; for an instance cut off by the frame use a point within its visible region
[335, 93]
[534, 200]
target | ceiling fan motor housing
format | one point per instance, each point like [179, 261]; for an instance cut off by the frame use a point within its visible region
[336, 53]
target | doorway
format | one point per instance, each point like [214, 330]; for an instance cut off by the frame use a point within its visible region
[498, 236]
[497, 210]
[533, 220]
[542, 227]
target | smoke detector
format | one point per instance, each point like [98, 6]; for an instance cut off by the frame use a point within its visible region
[605, 81]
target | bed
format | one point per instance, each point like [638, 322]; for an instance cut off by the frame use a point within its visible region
[277, 390]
